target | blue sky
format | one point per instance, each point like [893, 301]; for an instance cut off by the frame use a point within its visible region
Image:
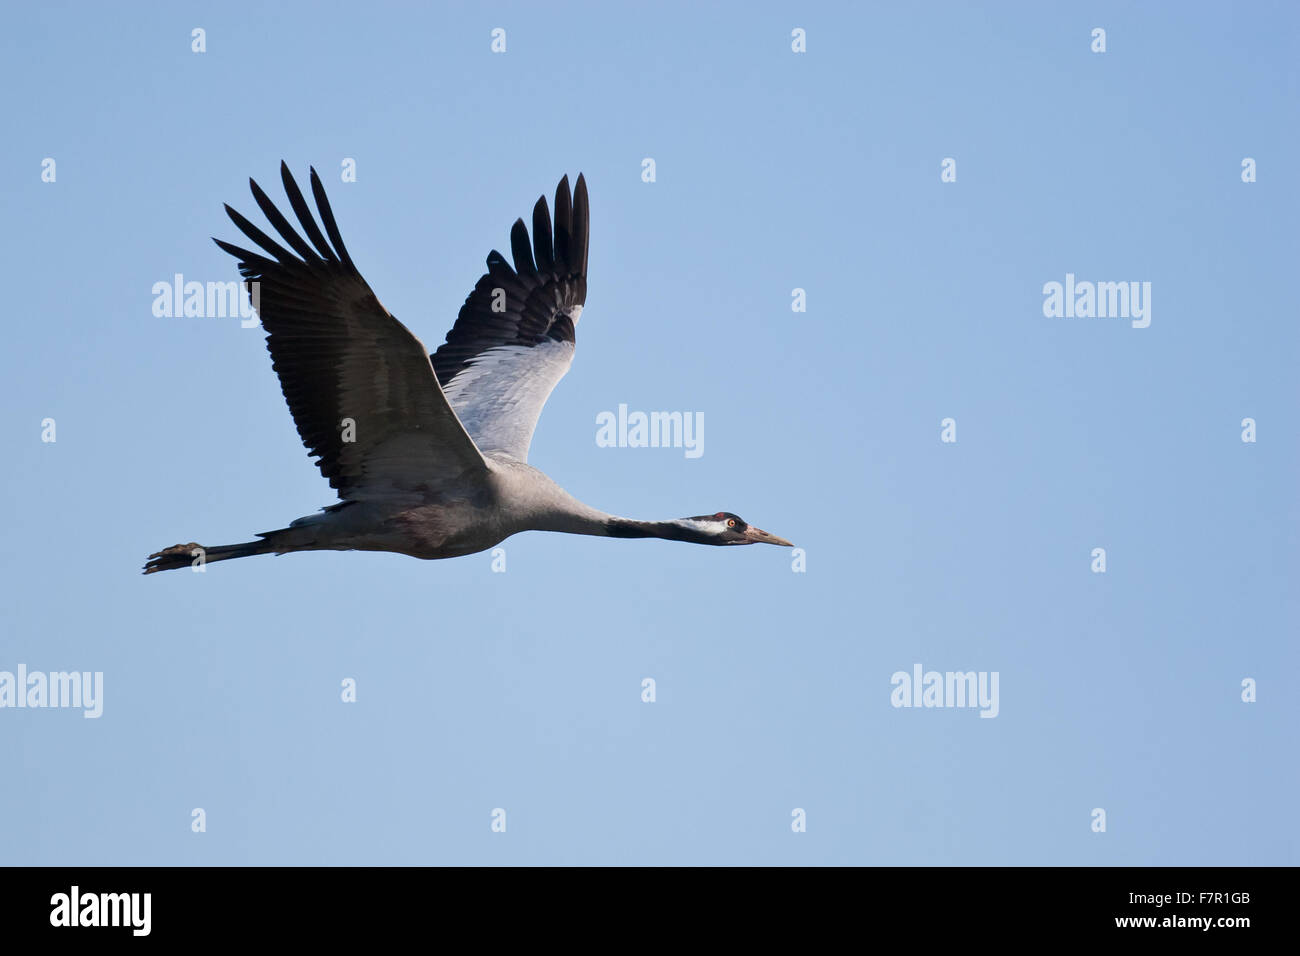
[775, 170]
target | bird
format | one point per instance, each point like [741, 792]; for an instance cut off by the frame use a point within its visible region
[428, 453]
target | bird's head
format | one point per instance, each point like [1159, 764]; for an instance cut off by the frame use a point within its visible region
[727, 528]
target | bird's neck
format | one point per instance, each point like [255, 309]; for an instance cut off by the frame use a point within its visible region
[678, 529]
[593, 522]
[562, 512]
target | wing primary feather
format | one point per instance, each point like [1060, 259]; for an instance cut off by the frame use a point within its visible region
[255, 263]
[258, 236]
[542, 237]
[303, 212]
[563, 225]
[282, 226]
[581, 227]
[522, 249]
[327, 217]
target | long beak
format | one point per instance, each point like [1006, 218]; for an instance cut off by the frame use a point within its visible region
[759, 536]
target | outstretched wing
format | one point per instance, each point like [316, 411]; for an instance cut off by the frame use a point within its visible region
[359, 384]
[514, 336]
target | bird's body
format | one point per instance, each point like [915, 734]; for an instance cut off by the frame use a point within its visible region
[427, 452]
[461, 517]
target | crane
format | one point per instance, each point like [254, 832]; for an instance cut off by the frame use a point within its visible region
[428, 453]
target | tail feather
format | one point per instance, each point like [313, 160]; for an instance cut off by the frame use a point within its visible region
[190, 555]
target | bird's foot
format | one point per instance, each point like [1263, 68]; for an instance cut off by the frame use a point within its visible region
[168, 559]
[184, 549]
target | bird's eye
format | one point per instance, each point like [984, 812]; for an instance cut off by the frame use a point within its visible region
[731, 522]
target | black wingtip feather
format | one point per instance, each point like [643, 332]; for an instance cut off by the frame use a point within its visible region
[327, 217]
[581, 226]
[521, 249]
[250, 263]
[303, 212]
[542, 247]
[282, 225]
[563, 225]
[276, 250]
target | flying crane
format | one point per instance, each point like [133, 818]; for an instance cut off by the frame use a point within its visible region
[428, 453]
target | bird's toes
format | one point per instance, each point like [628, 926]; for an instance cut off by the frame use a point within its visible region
[176, 549]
